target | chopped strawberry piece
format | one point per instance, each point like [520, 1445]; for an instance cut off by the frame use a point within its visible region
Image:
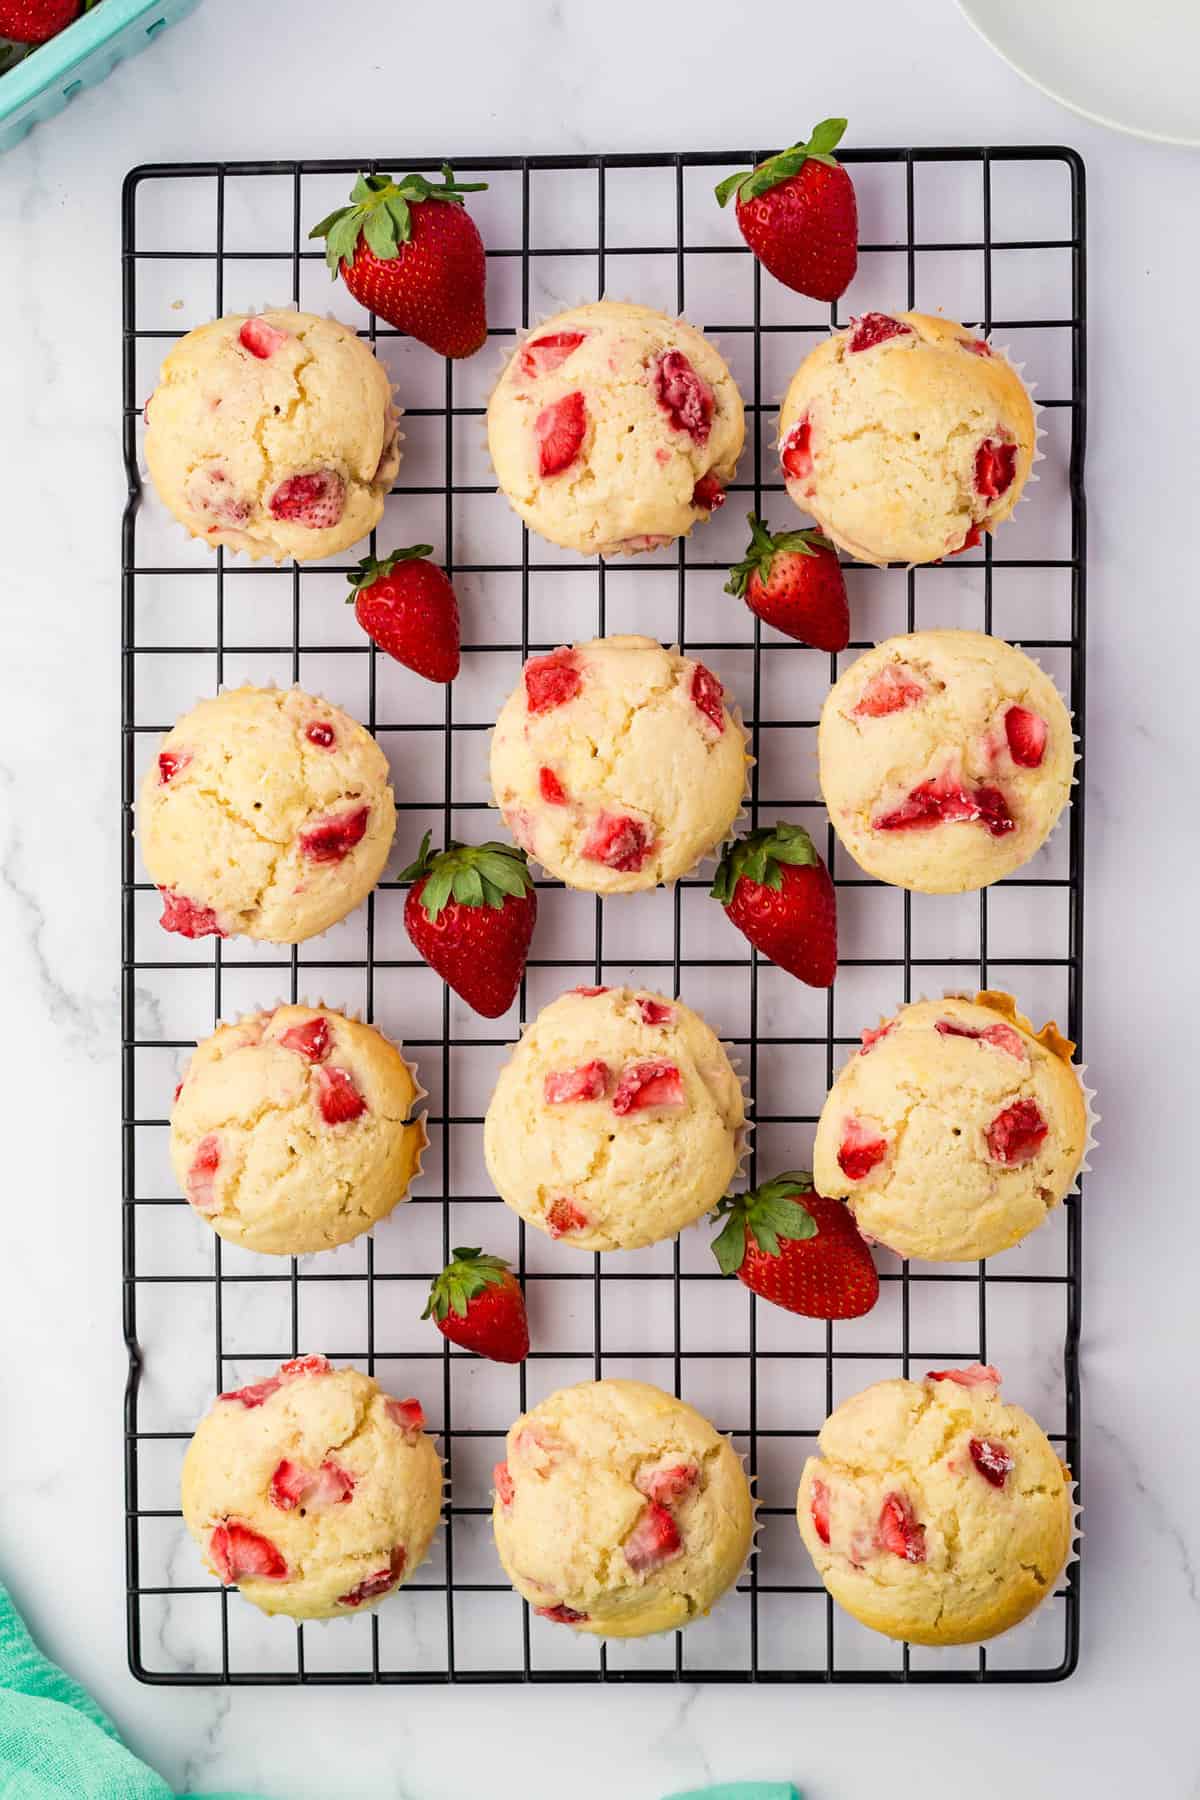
[684, 395]
[178, 1091]
[820, 1510]
[993, 1459]
[667, 1487]
[994, 811]
[619, 843]
[563, 1217]
[899, 1531]
[1026, 733]
[561, 1615]
[894, 688]
[871, 1038]
[294, 1486]
[707, 694]
[861, 1150]
[795, 453]
[654, 1540]
[590, 993]
[1000, 1037]
[944, 801]
[588, 1082]
[655, 1012]
[256, 1394]
[560, 429]
[539, 356]
[875, 328]
[408, 1415]
[188, 919]
[520, 825]
[338, 1096]
[310, 1040]
[972, 541]
[552, 680]
[169, 764]
[305, 1365]
[995, 467]
[709, 492]
[208, 490]
[647, 1084]
[322, 734]
[502, 1481]
[332, 838]
[379, 1583]
[1016, 1134]
[201, 1178]
[236, 1552]
[551, 788]
[977, 346]
[973, 1376]
[316, 500]
[260, 339]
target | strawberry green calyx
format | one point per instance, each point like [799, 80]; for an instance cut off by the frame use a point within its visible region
[462, 1281]
[758, 857]
[769, 1213]
[762, 550]
[374, 568]
[749, 184]
[471, 874]
[379, 209]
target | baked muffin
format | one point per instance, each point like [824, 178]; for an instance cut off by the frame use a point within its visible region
[617, 1120]
[273, 433]
[945, 759]
[620, 1511]
[936, 1513]
[906, 437]
[290, 1131]
[313, 1491]
[266, 814]
[617, 764]
[955, 1129]
[614, 428]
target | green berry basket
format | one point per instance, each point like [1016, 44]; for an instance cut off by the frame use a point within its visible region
[84, 53]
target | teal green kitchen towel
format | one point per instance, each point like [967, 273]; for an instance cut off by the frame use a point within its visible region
[742, 1790]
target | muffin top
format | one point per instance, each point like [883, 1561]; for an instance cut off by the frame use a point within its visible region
[614, 428]
[617, 764]
[936, 1512]
[954, 1130]
[905, 436]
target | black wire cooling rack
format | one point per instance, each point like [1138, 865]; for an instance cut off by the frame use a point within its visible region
[993, 236]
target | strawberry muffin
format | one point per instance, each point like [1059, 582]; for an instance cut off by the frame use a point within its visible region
[906, 437]
[617, 764]
[954, 1130]
[945, 759]
[274, 434]
[617, 1120]
[936, 1513]
[291, 1132]
[313, 1491]
[614, 429]
[620, 1511]
[266, 814]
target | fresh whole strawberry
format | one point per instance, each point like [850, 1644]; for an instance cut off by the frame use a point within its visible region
[407, 606]
[794, 582]
[409, 251]
[777, 892]
[797, 1249]
[477, 1302]
[471, 912]
[36, 21]
[798, 214]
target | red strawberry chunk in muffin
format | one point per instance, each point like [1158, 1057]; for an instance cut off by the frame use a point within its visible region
[1026, 733]
[169, 764]
[795, 453]
[338, 1096]
[588, 1082]
[820, 1510]
[552, 680]
[187, 918]
[256, 1394]
[321, 734]
[332, 838]
[709, 492]
[972, 541]
[201, 1179]
[899, 1531]
[590, 993]
[993, 1459]
[894, 688]
[1016, 1134]
[619, 843]
[295, 1487]
[684, 395]
[973, 1376]
[305, 1365]
[208, 491]
[707, 694]
[977, 346]
[316, 500]
[407, 1415]
[551, 788]
[236, 1552]
[995, 468]
[379, 1583]
[310, 1040]
[559, 430]
[943, 800]
[875, 328]
[655, 1012]
[502, 1481]
[561, 1615]
[862, 1149]
[563, 1217]
[654, 1540]
[260, 339]
[1000, 1037]
[647, 1084]
[871, 1038]
[540, 356]
[667, 1487]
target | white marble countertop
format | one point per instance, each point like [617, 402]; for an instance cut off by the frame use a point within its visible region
[302, 77]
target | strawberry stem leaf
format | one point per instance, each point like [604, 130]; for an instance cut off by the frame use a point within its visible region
[770, 1213]
[470, 1274]
[748, 184]
[374, 568]
[763, 548]
[380, 212]
[760, 856]
[469, 874]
